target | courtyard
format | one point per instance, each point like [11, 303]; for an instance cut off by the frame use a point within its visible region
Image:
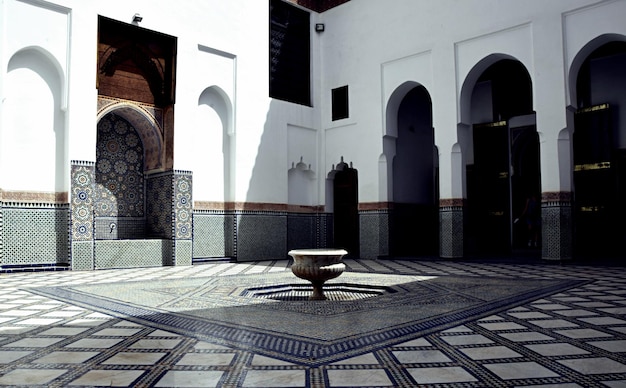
[387, 323]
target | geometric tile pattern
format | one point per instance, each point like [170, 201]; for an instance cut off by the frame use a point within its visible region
[82, 200]
[132, 253]
[217, 308]
[147, 120]
[119, 169]
[451, 231]
[301, 230]
[324, 230]
[182, 205]
[374, 233]
[113, 228]
[1, 234]
[571, 338]
[82, 255]
[39, 234]
[169, 205]
[183, 252]
[159, 189]
[557, 226]
[260, 235]
[118, 241]
[211, 231]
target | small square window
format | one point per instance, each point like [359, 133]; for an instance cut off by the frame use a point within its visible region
[340, 103]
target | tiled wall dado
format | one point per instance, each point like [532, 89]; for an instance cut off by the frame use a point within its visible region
[34, 235]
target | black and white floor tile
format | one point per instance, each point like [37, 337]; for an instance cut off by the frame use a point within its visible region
[572, 337]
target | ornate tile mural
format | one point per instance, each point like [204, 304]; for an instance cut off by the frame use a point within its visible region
[183, 205]
[82, 200]
[119, 169]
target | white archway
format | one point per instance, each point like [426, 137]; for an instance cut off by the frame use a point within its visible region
[33, 119]
[213, 146]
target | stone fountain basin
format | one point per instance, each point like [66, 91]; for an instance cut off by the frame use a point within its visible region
[317, 266]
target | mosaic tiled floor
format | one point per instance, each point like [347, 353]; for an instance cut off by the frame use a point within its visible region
[477, 325]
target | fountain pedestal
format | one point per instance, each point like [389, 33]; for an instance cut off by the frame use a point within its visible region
[317, 266]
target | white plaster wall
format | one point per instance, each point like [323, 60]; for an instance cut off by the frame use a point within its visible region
[31, 122]
[205, 111]
[303, 146]
[33, 95]
[372, 46]
[222, 44]
[583, 24]
[51, 34]
[364, 37]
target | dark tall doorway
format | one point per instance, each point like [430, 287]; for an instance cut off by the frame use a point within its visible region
[346, 212]
[595, 181]
[489, 188]
[525, 183]
[505, 175]
[505, 169]
[599, 145]
[414, 221]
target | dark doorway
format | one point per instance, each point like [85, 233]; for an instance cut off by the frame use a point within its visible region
[597, 184]
[346, 212]
[505, 174]
[525, 184]
[489, 189]
[414, 216]
[505, 169]
[599, 146]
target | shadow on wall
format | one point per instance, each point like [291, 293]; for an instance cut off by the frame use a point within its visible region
[266, 229]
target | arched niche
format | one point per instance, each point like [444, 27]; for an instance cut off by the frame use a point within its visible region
[342, 190]
[129, 150]
[500, 148]
[597, 83]
[413, 172]
[33, 131]
[212, 146]
[148, 128]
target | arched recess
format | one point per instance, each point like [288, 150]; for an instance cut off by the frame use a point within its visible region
[33, 132]
[129, 146]
[148, 128]
[597, 83]
[342, 188]
[213, 149]
[499, 139]
[414, 172]
[138, 66]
